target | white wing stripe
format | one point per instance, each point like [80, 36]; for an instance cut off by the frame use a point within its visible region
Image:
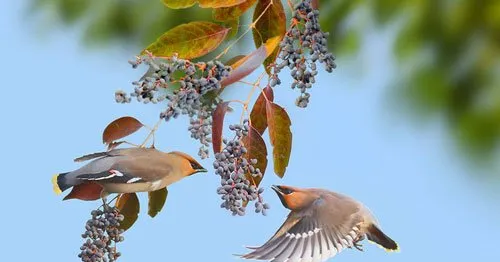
[134, 179]
[102, 178]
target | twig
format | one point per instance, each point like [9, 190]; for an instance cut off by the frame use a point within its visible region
[151, 133]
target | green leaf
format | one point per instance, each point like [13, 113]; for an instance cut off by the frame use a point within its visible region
[258, 116]
[157, 200]
[350, 43]
[256, 148]
[280, 136]
[178, 4]
[233, 12]
[272, 23]
[189, 40]
[233, 26]
[128, 204]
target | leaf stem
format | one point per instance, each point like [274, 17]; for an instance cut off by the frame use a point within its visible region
[151, 133]
[237, 101]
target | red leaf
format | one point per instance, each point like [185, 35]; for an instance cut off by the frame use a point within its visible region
[86, 191]
[252, 61]
[256, 148]
[217, 124]
[280, 136]
[258, 116]
[120, 128]
[315, 4]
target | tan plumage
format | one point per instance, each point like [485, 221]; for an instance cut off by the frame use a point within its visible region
[320, 225]
[129, 170]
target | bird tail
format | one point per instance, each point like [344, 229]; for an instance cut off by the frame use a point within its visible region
[376, 235]
[59, 183]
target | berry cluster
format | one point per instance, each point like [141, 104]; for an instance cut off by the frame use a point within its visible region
[200, 127]
[102, 233]
[187, 95]
[122, 97]
[302, 46]
[234, 170]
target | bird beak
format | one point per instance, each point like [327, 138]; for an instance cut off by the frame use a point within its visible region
[277, 190]
[200, 170]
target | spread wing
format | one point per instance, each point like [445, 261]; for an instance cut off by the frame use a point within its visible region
[315, 234]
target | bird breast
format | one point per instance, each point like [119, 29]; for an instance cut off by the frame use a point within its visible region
[127, 188]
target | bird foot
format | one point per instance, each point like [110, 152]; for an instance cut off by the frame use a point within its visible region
[356, 243]
[358, 246]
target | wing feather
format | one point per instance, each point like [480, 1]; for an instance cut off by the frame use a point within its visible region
[315, 234]
[110, 176]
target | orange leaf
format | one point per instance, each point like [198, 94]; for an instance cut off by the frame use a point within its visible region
[252, 61]
[233, 12]
[178, 4]
[189, 40]
[217, 124]
[120, 128]
[256, 148]
[86, 191]
[272, 23]
[128, 204]
[258, 116]
[280, 136]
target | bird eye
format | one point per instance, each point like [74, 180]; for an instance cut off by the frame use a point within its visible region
[196, 166]
[286, 191]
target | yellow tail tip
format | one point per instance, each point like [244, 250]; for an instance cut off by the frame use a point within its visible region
[397, 250]
[55, 186]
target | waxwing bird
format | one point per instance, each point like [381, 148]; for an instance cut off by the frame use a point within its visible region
[320, 225]
[129, 170]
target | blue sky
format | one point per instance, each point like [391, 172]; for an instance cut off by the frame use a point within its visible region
[59, 97]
